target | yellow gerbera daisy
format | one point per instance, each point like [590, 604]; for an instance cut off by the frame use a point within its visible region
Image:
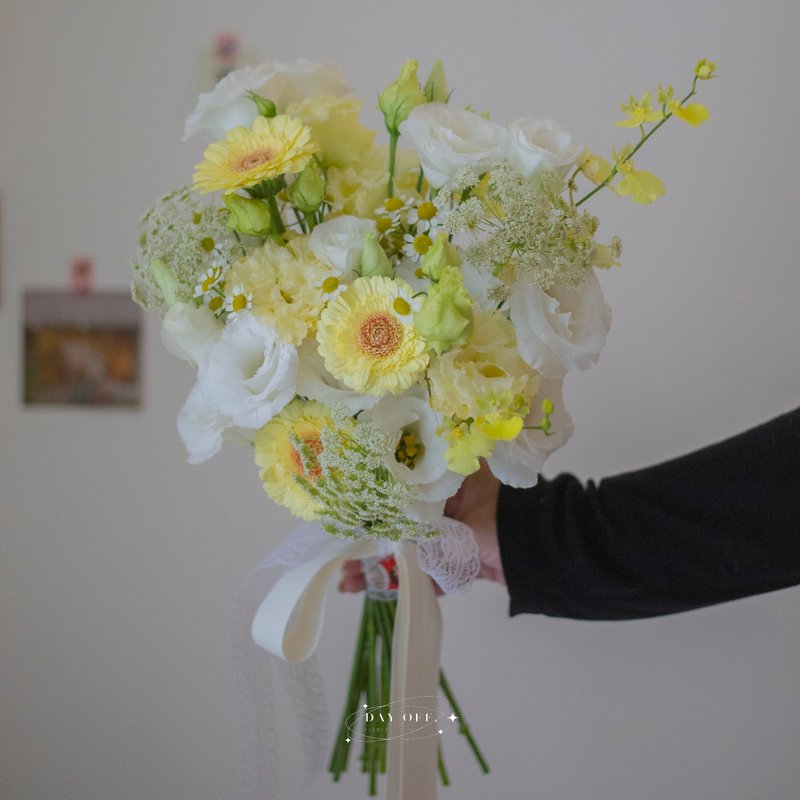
[366, 336]
[246, 156]
[280, 460]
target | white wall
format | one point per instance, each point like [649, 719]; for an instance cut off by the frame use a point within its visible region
[119, 562]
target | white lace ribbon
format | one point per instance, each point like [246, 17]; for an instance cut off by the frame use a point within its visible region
[281, 609]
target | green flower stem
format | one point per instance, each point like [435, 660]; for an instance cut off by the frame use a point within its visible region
[277, 222]
[615, 168]
[341, 749]
[445, 778]
[463, 728]
[393, 137]
[370, 746]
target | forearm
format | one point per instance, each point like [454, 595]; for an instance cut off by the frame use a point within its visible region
[717, 524]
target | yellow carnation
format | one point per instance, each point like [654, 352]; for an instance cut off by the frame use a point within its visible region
[335, 126]
[280, 460]
[485, 376]
[286, 284]
[359, 188]
[247, 156]
[366, 336]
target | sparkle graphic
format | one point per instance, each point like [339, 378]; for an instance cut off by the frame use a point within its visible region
[441, 731]
[348, 740]
[365, 705]
[452, 717]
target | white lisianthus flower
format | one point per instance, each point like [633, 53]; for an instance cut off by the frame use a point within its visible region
[518, 462]
[420, 456]
[249, 373]
[447, 139]
[316, 383]
[228, 106]
[187, 331]
[200, 426]
[536, 145]
[562, 329]
[338, 242]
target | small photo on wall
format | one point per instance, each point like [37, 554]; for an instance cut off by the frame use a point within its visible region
[81, 349]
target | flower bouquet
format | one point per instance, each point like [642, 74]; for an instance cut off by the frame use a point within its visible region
[374, 320]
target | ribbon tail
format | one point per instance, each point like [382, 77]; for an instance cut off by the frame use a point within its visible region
[412, 762]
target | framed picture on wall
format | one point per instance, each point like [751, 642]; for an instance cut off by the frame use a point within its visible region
[81, 349]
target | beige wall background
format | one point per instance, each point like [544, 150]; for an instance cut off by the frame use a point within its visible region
[119, 563]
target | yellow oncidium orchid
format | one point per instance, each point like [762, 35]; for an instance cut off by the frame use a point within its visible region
[643, 187]
[695, 113]
[500, 426]
[639, 112]
[594, 167]
[468, 444]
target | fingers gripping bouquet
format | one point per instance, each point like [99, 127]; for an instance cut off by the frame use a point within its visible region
[376, 319]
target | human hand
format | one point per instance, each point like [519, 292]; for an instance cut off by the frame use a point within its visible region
[475, 504]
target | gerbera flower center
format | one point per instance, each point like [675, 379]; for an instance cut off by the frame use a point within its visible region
[380, 335]
[253, 159]
[313, 444]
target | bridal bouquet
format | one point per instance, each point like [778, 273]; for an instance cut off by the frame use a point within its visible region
[375, 319]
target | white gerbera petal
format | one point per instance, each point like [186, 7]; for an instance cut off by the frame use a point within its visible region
[561, 329]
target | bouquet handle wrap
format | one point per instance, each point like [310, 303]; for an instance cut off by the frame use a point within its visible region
[288, 623]
[411, 770]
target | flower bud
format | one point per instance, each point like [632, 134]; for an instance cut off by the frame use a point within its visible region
[266, 108]
[398, 99]
[705, 69]
[165, 280]
[307, 191]
[249, 216]
[374, 261]
[445, 318]
[436, 86]
[440, 255]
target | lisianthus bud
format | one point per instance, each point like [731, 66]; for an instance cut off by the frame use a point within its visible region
[436, 86]
[440, 255]
[398, 99]
[249, 216]
[307, 191]
[446, 317]
[374, 261]
[165, 280]
[266, 108]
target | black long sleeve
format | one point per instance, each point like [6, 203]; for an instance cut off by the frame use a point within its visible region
[717, 524]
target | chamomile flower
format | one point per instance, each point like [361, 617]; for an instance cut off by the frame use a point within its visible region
[425, 218]
[210, 281]
[415, 247]
[238, 302]
[331, 287]
[389, 214]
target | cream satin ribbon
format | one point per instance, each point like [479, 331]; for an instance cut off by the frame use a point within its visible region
[289, 622]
